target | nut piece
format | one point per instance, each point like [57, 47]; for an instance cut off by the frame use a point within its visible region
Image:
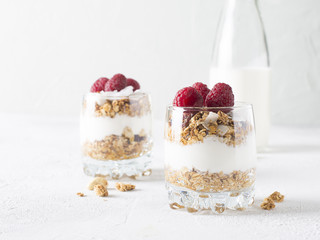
[277, 197]
[80, 194]
[142, 133]
[127, 133]
[98, 181]
[123, 187]
[101, 191]
[267, 204]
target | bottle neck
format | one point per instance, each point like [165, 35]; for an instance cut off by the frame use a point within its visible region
[241, 7]
[242, 2]
[240, 39]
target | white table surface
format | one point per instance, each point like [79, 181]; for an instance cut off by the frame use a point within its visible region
[41, 173]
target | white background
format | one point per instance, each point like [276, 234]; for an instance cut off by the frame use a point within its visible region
[51, 51]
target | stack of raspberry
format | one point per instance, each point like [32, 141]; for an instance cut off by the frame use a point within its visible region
[199, 95]
[117, 82]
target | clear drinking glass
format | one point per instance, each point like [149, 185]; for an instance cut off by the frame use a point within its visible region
[116, 135]
[210, 157]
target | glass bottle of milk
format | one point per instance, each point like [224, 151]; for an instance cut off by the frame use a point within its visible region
[240, 59]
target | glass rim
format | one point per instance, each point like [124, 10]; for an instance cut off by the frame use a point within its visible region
[237, 105]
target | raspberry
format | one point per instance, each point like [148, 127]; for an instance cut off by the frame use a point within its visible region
[117, 82]
[202, 89]
[188, 97]
[99, 85]
[133, 83]
[221, 95]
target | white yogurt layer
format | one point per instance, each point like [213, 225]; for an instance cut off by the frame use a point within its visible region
[97, 128]
[211, 155]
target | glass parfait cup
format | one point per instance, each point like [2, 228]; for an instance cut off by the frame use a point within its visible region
[116, 134]
[210, 157]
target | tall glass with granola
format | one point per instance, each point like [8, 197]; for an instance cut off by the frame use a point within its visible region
[210, 153]
[116, 130]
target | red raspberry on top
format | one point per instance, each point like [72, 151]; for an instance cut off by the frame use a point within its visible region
[117, 82]
[188, 97]
[221, 95]
[99, 85]
[133, 83]
[202, 89]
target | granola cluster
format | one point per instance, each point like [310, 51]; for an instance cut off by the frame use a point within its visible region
[98, 181]
[210, 182]
[115, 147]
[277, 197]
[195, 127]
[80, 194]
[268, 203]
[124, 187]
[99, 186]
[101, 191]
[127, 106]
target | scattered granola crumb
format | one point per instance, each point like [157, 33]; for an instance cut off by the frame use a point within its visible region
[267, 204]
[80, 194]
[98, 181]
[101, 191]
[277, 197]
[123, 187]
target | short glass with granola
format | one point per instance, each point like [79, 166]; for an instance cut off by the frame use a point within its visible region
[210, 150]
[116, 131]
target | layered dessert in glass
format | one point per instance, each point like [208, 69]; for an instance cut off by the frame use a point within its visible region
[116, 130]
[210, 151]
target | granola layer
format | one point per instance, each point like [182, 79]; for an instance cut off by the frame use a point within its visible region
[197, 126]
[116, 147]
[210, 182]
[130, 106]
